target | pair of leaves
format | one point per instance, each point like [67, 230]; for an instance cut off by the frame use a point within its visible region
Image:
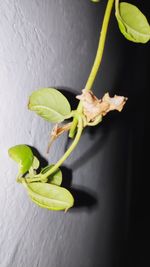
[132, 23]
[50, 104]
[47, 195]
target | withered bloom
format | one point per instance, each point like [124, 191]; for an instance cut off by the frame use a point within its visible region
[94, 107]
[56, 132]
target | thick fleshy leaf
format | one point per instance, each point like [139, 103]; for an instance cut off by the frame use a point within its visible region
[132, 22]
[50, 104]
[55, 178]
[50, 196]
[23, 155]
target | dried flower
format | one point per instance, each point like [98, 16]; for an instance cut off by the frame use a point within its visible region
[56, 132]
[94, 107]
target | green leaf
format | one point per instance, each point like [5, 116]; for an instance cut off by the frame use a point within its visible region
[50, 104]
[50, 196]
[55, 178]
[34, 167]
[132, 23]
[23, 155]
[36, 163]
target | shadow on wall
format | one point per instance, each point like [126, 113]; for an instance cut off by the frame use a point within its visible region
[135, 73]
[84, 198]
[132, 81]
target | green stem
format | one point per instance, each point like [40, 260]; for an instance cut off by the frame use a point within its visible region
[97, 61]
[116, 4]
[68, 152]
[43, 177]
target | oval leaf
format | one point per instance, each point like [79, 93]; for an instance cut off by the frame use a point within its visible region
[23, 155]
[50, 104]
[55, 178]
[50, 196]
[132, 23]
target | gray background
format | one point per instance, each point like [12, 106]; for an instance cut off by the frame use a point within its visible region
[53, 43]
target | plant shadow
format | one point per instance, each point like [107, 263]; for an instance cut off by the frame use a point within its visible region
[70, 94]
[83, 197]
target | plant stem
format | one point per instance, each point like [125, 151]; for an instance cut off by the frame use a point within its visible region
[97, 60]
[116, 4]
[68, 152]
[43, 177]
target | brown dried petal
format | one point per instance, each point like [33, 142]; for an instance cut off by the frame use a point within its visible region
[90, 104]
[93, 107]
[115, 103]
[57, 131]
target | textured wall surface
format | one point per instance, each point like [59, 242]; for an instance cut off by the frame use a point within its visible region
[53, 43]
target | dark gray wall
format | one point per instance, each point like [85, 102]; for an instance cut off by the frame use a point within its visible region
[53, 43]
